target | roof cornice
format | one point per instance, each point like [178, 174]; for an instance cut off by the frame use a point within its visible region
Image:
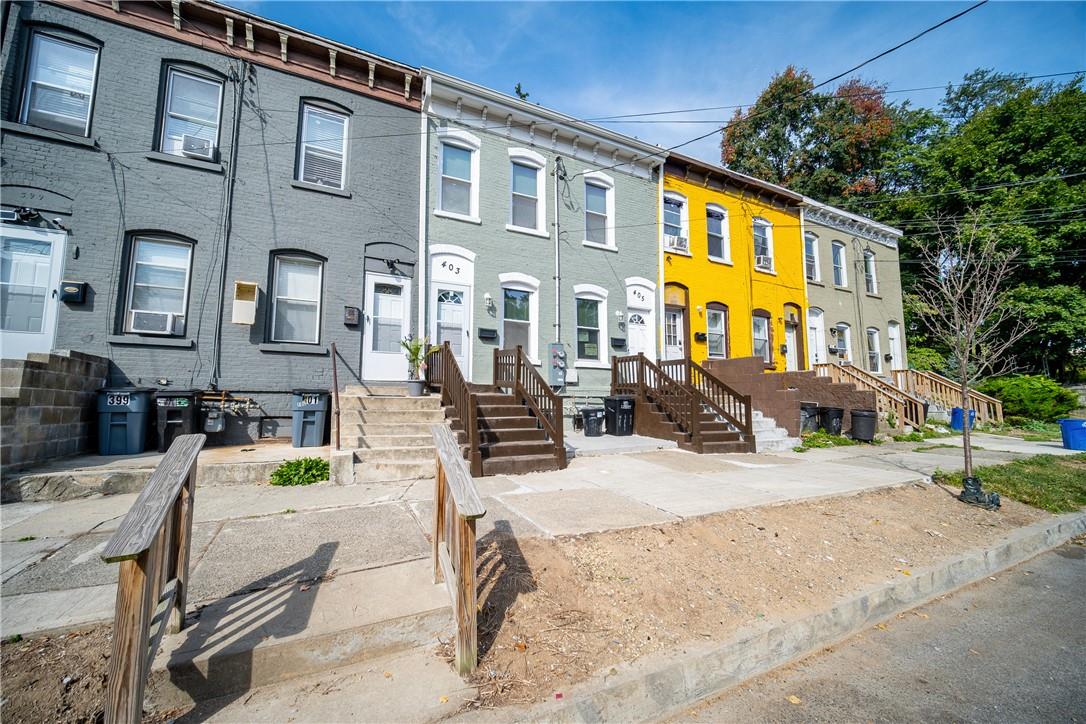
[731, 178]
[845, 221]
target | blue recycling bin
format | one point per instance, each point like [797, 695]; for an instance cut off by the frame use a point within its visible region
[309, 411]
[123, 416]
[957, 416]
[1073, 431]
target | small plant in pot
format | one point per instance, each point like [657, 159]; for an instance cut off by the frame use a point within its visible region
[416, 350]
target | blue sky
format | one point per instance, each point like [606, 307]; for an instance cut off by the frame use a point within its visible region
[605, 59]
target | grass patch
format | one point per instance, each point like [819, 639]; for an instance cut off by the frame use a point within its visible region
[820, 439]
[13, 639]
[1026, 429]
[1055, 484]
[928, 433]
[27, 538]
[303, 471]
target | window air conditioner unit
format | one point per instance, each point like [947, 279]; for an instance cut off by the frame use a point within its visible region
[676, 243]
[763, 262]
[194, 147]
[156, 322]
[244, 303]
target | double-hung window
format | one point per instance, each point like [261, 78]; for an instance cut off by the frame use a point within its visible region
[190, 120]
[675, 223]
[322, 150]
[763, 245]
[158, 286]
[588, 329]
[59, 85]
[874, 351]
[296, 299]
[517, 320]
[810, 257]
[595, 213]
[763, 345]
[844, 341]
[716, 325]
[870, 278]
[840, 270]
[716, 232]
[524, 205]
[455, 179]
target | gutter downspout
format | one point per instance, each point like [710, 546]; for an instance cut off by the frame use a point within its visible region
[559, 172]
[805, 328]
[660, 310]
[423, 265]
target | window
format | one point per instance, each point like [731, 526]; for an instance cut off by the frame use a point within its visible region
[525, 203]
[296, 306]
[870, 279]
[810, 255]
[517, 324]
[599, 209]
[190, 120]
[588, 329]
[716, 326]
[840, 272]
[158, 286]
[323, 148]
[59, 85]
[874, 351]
[763, 340]
[844, 341]
[388, 317]
[675, 223]
[716, 232]
[458, 190]
[763, 245]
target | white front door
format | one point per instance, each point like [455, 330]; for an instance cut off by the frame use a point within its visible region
[674, 334]
[639, 330]
[388, 311]
[30, 267]
[791, 341]
[893, 332]
[450, 309]
[816, 337]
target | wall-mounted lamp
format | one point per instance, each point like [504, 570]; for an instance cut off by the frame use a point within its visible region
[619, 314]
[489, 302]
[699, 308]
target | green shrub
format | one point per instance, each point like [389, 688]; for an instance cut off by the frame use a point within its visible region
[822, 439]
[1033, 396]
[303, 471]
[925, 358]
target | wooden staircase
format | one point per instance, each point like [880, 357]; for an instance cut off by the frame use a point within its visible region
[679, 400]
[946, 393]
[892, 404]
[513, 425]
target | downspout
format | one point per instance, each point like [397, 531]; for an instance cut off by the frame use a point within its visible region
[423, 264]
[804, 328]
[232, 175]
[559, 172]
[660, 310]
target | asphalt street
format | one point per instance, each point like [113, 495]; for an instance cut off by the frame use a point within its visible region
[1008, 649]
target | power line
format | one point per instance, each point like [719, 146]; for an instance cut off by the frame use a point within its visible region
[989, 187]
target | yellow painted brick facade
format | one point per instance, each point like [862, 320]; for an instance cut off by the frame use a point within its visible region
[739, 285]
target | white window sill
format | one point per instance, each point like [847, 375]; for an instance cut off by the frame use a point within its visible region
[840, 288]
[320, 188]
[668, 250]
[457, 217]
[526, 230]
[719, 260]
[597, 245]
[760, 270]
[592, 364]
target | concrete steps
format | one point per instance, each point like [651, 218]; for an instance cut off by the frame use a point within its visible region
[298, 629]
[769, 437]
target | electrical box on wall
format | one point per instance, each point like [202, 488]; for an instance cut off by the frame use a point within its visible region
[556, 367]
[244, 302]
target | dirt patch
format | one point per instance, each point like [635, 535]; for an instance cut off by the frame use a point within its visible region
[555, 612]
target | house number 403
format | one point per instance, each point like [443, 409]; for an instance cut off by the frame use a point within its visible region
[450, 267]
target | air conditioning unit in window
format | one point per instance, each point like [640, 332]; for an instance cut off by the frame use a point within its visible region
[676, 243]
[194, 147]
[156, 322]
[763, 262]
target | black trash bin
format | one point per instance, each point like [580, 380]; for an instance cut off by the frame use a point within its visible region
[864, 423]
[176, 415]
[122, 420]
[593, 418]
[309, 410]
[619, 412]
[808, 417]
[829, 419]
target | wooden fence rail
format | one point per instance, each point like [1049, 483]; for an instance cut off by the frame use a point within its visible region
[456, 508]
[443, 370]
[152, 545]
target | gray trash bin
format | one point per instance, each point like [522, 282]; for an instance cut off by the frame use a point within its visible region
[309, 411]
[808, 417]
[864, 423]
[123, 417]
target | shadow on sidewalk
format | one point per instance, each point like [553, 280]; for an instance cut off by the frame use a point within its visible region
[252, 614]
[504, 574]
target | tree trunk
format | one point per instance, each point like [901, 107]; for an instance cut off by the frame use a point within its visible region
[967, 442]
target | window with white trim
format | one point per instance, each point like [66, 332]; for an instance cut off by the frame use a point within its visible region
[763, 244]
[763, 339]
[296, 299]
[843, 343]
[158, 286]
[870, 275]
[840, 270]
[676, 223]
[716, 233]
[60, 82]
[716, 329]
[520, 313]
[588, 329]
[599, 209]
[190, 115]
[524, 205]
[322, 148]
[810, 257]
[456, 179]
[874, 351]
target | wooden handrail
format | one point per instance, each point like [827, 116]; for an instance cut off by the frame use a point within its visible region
[906, 407]
[727, 402]
[947, 393]
[152, 545]
[443, 369]
[648, 381]
[514, 371]
[456, 508]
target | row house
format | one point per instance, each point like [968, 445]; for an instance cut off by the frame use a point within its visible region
[218, 193]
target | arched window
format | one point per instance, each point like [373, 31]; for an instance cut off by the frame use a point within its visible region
[458, 193]
[843, 340]
[870, 275]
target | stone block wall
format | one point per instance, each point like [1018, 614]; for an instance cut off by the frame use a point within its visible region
[47, 406]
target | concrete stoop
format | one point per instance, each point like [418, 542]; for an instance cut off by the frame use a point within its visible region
[656, 687]
[300, 629]
[769, 437]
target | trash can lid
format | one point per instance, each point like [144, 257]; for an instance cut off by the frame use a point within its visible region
[832, 409]
[309, 391]
[808, 404]
[864, 413]
[176, 393]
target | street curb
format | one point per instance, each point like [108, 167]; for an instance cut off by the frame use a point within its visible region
[658, 686]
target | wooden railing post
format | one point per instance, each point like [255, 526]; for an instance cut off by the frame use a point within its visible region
[131, 620]
[641, 376]
[472, 425]
[439, 515]
[518, 383]
[467, 627]
[182, 548]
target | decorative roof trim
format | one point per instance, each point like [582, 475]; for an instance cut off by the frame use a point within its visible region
[822, 214]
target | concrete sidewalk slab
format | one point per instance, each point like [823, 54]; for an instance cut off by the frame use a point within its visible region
[71, 518]
[579, 445]
[499, 517]
[1013, 444]
[54, 611]
[17, 556]
[572, 512]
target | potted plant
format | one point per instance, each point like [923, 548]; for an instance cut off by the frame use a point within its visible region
[416, 350]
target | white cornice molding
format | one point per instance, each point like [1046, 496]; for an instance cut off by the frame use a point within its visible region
[846, 222]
